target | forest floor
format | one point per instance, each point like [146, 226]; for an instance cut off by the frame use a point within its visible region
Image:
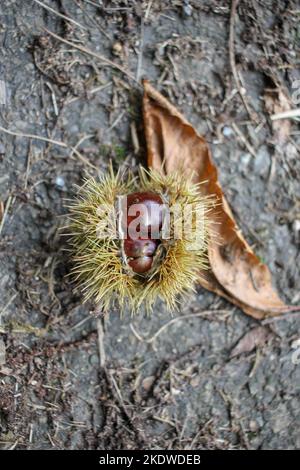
[164, 384]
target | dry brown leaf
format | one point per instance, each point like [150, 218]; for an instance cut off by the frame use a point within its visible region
[252, 339]
[236, 273]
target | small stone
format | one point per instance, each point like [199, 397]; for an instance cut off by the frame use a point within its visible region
[245, 159]
[295, 344]
[217, 152]
[227, 131]
[253, 426]
[187, 9]
[148, 382]
[60, 182]
[94, 359]
[117, 48]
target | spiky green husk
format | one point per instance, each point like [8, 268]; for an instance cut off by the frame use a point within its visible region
[98, 266]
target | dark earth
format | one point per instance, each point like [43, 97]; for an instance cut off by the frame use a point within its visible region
[70, 379]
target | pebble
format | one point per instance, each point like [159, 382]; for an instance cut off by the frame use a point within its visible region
[148, 382]
[117, 48]
[60, 182]
[187, 9]
[94, 359]
[253, 426]
[227, 131]
[245, 159]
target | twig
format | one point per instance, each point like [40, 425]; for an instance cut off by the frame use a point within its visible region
[7, 205]
[116, 121]
[30, 433]
[50, 141]
[175, 320]
[81, 322]
[136, 334]
[80, 141]
[91, 53]
[134, 138]
[253, 115]
[1, 209]
[247, 144]
[148, 9]
[168, 17]
[291, 113]
[14, 445]
[164, 420]
[118, 392]
[101, 349]
[64, 17]
[28, 165]
[33, 136]
[51, 440]
[287, 316]
[19, 328]
[53, 98]
[92, 92]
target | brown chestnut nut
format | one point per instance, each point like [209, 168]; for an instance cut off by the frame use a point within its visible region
[142, 226]
[145, 221]
[137, 248]
[141, 265]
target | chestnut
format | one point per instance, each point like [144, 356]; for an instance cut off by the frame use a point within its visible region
[150, 214]
[141, 265]
[136, 248]
[143, 225]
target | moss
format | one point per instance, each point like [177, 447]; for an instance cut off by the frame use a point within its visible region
[120, 152]
[113, 151]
